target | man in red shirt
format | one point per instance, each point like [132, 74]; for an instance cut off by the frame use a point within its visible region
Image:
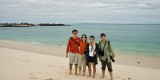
[73, 50]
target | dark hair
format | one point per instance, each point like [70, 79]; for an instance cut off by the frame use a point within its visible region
[102, 34]
[82, 37]
[92, 36]
[74, 31]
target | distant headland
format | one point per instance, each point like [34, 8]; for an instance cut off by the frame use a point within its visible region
[29, 24]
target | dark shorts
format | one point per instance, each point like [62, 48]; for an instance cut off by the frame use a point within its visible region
[92, 59]
[105, 63]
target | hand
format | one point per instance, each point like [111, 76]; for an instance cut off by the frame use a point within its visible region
[113, 55]
[94, 52]
[66, 55]
[100, 59]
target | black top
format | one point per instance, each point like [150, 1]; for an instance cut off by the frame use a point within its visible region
[94, 58]
[96, 49]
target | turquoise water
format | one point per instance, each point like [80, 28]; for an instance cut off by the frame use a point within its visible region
[139, 39]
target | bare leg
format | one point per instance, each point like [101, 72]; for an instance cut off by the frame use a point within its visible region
[79, 71]
[103, 68]
[70, 68]
[76, 67]
[103, 73]
[89, 69]
[84, 65]
[80, 63]
[94, 70]
[84, 73]
[111, 75]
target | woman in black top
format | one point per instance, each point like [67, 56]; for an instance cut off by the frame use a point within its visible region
[91, 55]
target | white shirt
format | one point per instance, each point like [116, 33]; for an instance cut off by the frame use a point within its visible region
[91, 51]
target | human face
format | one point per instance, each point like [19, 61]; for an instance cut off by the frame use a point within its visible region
[91, 40]
[83, 38]
[103, 38]
[74, 34]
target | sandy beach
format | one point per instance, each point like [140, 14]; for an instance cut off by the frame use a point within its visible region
[35, 36]
[27, 62]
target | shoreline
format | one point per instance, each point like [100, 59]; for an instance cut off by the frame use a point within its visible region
[121, 58]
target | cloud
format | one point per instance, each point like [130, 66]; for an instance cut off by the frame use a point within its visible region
[116, 11]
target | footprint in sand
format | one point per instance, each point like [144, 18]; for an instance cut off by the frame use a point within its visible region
[16, 58]
[65, 72]
[50, 79]
[117, 77]
[32, 76]
[9, 57]
[51, 66]
[27, 60]
[2, 56]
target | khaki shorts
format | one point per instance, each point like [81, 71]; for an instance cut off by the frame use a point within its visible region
[73, 58]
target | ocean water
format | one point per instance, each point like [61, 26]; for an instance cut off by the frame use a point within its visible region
[136, 39]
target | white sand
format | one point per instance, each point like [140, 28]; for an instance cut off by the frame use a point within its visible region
[121, 57]
[21, 65]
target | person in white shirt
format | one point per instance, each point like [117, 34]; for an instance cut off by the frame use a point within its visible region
[91, 54]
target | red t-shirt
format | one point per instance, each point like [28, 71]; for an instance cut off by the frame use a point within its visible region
[72, 46]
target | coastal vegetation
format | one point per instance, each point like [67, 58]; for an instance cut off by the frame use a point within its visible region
[29, 24]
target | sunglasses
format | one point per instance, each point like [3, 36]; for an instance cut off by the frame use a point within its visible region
[91, 39]
[74, 33]
[103, 37]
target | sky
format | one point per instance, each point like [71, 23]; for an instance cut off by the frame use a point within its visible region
[79, 11]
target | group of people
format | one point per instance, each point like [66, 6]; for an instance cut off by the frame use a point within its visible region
[83, 53]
